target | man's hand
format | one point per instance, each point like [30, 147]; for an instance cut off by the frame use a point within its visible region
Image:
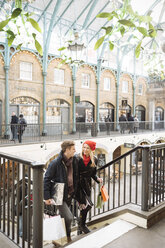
[48, 202]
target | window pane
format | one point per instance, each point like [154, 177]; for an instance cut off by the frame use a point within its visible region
[125, 86]
[107, 84]
[85, 80]
[25, 70]
[140, 89]
[58, 76]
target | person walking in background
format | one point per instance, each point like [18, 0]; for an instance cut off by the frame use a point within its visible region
[63, 170]
[123, 123]
[130, 123]
[108, 124]
[22, 124]
[13, 126]
[87, 163]
[136, 124]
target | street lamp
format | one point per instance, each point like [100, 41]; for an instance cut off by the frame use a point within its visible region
[76, 48]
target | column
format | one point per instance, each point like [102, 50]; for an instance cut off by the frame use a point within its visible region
[44, 131]
[7, 127]
[134, 83]
[151, 116]
[74, 69]
[98, 93]
[44, 73]
[134, 88]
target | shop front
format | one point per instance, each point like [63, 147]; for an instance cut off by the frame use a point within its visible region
[140, 113]
[58, 117]
[159, 118]
[0, 117]
[106, 114]
[84, 116]
[30, 108]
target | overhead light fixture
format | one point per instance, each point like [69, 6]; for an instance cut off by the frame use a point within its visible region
[76, 48]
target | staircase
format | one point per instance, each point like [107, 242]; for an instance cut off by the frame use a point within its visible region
[98, 238]
[103, 236]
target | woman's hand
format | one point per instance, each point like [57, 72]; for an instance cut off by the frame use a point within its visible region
[82, 206]
[100, 180]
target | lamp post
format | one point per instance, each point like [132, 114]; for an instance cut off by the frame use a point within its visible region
[75, 49]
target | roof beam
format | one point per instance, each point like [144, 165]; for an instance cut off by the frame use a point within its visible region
[47, 40]
[161, 13]
[89, 14]
[97, 14]
[82, 12]
[45, 10]
[2, 4]
[63, 13]
[26, 5]
[98, 31]
[152, 6]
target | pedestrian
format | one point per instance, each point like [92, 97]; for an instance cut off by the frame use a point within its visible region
[130, 123]
[13, 126]
[63, 170]
[136, 124]
[123, 123]
[108, 124]
[19, 201]
[22, 124]
[87, 163]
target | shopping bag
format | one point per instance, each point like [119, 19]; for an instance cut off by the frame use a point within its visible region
[53, 228]
[50, 210]
[99, 201]
[104, 193]
[57, 192]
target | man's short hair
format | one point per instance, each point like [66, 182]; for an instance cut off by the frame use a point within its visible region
[67, 144]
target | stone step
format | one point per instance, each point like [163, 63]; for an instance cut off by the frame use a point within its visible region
[5, 242]
[103, 236]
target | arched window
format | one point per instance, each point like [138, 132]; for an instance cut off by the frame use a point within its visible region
[84, 112]
[106, 109]
[140, 112]
[159, 114]
[57, 111]
[27, 106]
[159, 118]
[0, 117]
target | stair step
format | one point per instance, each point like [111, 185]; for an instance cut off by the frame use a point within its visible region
[103, 236]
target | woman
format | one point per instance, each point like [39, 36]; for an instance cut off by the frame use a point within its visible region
[87, 170]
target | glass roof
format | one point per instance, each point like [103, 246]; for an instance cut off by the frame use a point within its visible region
[65, 15]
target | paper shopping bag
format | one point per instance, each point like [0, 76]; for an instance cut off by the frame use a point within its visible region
[53, 228]
[99, 201]
[57, 192]
[104, 193]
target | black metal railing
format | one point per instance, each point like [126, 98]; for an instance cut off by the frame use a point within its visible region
[136, 177]
[60, 131]
[130, 179]
[21, 200]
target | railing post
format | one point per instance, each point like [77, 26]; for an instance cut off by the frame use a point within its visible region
[145, 179]
[38, 205]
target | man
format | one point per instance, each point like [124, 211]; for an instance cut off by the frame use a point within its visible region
[123, 122]
[63, 170]
[14, 122]
[21, 127]
[130, 123]
[108, 123]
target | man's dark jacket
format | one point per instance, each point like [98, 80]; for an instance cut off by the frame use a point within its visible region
[57, 173]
